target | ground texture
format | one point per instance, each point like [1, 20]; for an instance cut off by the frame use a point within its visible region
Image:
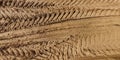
[59, 29]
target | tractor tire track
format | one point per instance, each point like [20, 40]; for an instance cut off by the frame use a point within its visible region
[27, 19]
[26, 3]
[59, 29]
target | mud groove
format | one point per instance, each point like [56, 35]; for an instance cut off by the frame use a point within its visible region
[26, 18]
[38, 48]
[59, 29]
[26, 3]
[47, 3]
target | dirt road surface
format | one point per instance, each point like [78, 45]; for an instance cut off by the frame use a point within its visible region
[59, 29]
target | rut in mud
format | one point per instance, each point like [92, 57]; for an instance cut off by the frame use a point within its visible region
[59, 29]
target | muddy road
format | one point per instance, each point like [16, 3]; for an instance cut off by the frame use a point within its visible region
[59, 30]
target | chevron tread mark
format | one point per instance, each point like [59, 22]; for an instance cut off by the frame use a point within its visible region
[26, 3]
[47, 18]
[28, 51]
[66, 47]
[59, 29]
